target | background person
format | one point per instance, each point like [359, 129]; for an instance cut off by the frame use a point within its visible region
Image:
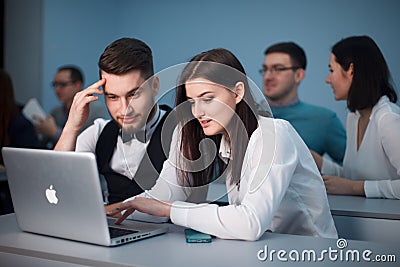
[15, 131]
[283, 70]
[68, 81]
[359, 74]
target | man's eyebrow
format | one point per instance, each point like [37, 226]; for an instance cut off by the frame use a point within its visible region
[131, 91]
[274, 65]
[107, 93]
[202, 94]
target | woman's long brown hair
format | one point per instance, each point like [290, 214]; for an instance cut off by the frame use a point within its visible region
[219, 66]
[8, 109]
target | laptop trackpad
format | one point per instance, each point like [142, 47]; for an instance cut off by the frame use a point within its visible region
[133, 225]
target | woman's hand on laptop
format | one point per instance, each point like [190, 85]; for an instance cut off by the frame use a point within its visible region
[146, 205]
[110, 208]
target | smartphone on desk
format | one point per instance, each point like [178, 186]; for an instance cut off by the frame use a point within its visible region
[193, 236]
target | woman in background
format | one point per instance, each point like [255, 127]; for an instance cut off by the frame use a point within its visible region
[15, 129]
[371, 167]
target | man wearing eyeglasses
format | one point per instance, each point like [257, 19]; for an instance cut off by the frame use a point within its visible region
[68, 81]
[283, 70]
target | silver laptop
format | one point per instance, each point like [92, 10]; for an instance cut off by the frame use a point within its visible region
[58, 193]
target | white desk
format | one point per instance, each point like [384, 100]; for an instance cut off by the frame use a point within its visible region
[370, 219]
[358, 218]
[24, 249]
[365, 207]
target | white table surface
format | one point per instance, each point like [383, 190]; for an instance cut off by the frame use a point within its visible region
[18, 248]
[364, 207]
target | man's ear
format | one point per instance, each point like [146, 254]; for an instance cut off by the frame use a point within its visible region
[239, 91]
[78, 85]
[155, 84]
[300, 75]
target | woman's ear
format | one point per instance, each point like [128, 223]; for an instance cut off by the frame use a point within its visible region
[350, 71]
[239, 91]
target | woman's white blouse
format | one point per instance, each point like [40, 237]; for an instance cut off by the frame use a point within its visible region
[377, 161]
[280, 190]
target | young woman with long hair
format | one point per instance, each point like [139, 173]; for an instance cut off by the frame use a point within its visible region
[271, 178]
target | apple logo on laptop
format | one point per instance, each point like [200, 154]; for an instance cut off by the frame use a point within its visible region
[51, 195]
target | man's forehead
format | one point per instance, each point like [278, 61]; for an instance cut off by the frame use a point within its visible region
[63, 73]
[277, 58]
[125, 82]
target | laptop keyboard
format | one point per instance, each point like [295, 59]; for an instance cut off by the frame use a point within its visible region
[117, 232]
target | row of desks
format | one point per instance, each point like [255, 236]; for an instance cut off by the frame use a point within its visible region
[24, 249]
[369, 228]
[355, 217]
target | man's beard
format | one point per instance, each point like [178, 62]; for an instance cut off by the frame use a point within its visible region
[129, 132]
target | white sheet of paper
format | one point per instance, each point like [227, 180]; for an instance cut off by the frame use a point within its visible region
[32, 107]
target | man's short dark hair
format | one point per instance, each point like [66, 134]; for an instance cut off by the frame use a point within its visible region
[296, 53]
[125, 55]
[75, 73]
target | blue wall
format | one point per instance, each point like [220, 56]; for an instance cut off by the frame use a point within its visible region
[76, 32]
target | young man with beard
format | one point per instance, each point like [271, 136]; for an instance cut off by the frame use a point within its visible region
[129, 149]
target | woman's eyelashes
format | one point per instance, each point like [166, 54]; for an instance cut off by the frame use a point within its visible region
[203, 99]
[207, 99]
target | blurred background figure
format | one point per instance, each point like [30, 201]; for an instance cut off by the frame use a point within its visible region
[359, 74]
[68, 81]
[283, 70]
[15, 131]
